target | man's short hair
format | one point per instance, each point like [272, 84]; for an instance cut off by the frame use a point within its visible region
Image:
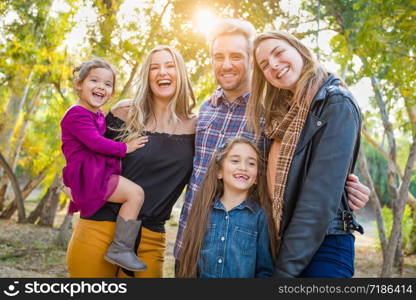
[232, 26]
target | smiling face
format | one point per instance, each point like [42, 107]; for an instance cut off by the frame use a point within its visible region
[230, 60]
[96, 89]
[239, 168]
[162, 75]
[280, 63]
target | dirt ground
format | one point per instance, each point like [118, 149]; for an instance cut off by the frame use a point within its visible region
[30, 251]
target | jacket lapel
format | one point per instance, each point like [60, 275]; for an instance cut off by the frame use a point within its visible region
[312, 125]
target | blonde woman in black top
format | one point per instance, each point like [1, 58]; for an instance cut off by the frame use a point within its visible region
[161, 110]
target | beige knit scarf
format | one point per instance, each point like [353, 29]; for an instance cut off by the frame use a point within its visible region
[287, 130]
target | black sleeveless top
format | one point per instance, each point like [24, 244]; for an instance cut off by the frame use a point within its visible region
[162, 168]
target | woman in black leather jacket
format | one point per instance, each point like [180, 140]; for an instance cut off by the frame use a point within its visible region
[314, 124]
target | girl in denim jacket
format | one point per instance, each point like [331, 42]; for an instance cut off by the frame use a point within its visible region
[227, 234]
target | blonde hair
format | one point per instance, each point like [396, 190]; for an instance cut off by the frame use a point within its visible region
[199, 215]
[273, 103]
[180, 106]
[230, 27]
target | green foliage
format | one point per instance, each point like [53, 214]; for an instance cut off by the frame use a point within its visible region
[39, 60]
[377, 166]
[413, 183]
[380, 33]
[407, 223]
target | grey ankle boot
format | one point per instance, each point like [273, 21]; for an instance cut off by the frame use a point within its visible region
[121, 250]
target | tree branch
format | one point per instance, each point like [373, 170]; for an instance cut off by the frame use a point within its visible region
[57, 86]
[374, 201]
[7, 78]
[398, 213]
[411, 200]
[16, 189]
[129, 81]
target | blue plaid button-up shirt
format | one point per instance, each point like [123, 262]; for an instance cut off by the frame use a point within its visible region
[218, 120]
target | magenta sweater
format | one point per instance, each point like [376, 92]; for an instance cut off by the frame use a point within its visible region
[93, 161]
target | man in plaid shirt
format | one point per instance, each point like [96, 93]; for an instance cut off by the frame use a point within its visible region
[222, 115]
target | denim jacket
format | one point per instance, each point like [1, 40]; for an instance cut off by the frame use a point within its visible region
[236, 243]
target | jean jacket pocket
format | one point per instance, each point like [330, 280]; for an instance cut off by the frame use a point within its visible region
[245, 240]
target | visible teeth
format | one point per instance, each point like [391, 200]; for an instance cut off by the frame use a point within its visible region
[283, 72]
[227, 75]
[241, 177]
[164, 81]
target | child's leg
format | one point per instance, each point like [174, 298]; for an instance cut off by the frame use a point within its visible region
[121, 251]
[130, 195]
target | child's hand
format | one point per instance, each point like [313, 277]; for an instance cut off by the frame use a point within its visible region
[121, 109]
[136, 143]
[67, 191]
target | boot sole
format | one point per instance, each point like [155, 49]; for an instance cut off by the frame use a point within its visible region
[124, 267]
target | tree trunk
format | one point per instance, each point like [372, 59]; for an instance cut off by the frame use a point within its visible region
[388, 130]
[374, 202]
[15, 154]
[29, 187]
[8, 212]
[2, 196]
[398, 213]
[16, 188]
[65, 231]
[398, 256]
[49, 211]
[411, 244]
[37, 212]
[33, 183]
[44, 213]
[411, 111]
[411, 200]
[129, 82]
[4, 184]
[13, 110]
[25, 123]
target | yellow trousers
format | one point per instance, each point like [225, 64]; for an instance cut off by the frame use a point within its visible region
[91, 239]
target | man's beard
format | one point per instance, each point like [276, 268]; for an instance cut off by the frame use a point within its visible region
[234, 86]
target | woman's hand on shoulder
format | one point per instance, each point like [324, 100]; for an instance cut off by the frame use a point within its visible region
[121, 109]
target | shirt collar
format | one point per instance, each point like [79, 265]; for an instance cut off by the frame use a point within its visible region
[219, 97]
[250, 204]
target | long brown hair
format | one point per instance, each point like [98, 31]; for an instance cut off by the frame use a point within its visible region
[199, 215]
[272, 103]
[180, 106]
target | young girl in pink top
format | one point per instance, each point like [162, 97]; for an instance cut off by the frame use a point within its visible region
[93, 162]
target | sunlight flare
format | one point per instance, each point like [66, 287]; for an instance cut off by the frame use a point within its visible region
[204, 20]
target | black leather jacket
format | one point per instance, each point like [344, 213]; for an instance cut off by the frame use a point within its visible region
[325, 154]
